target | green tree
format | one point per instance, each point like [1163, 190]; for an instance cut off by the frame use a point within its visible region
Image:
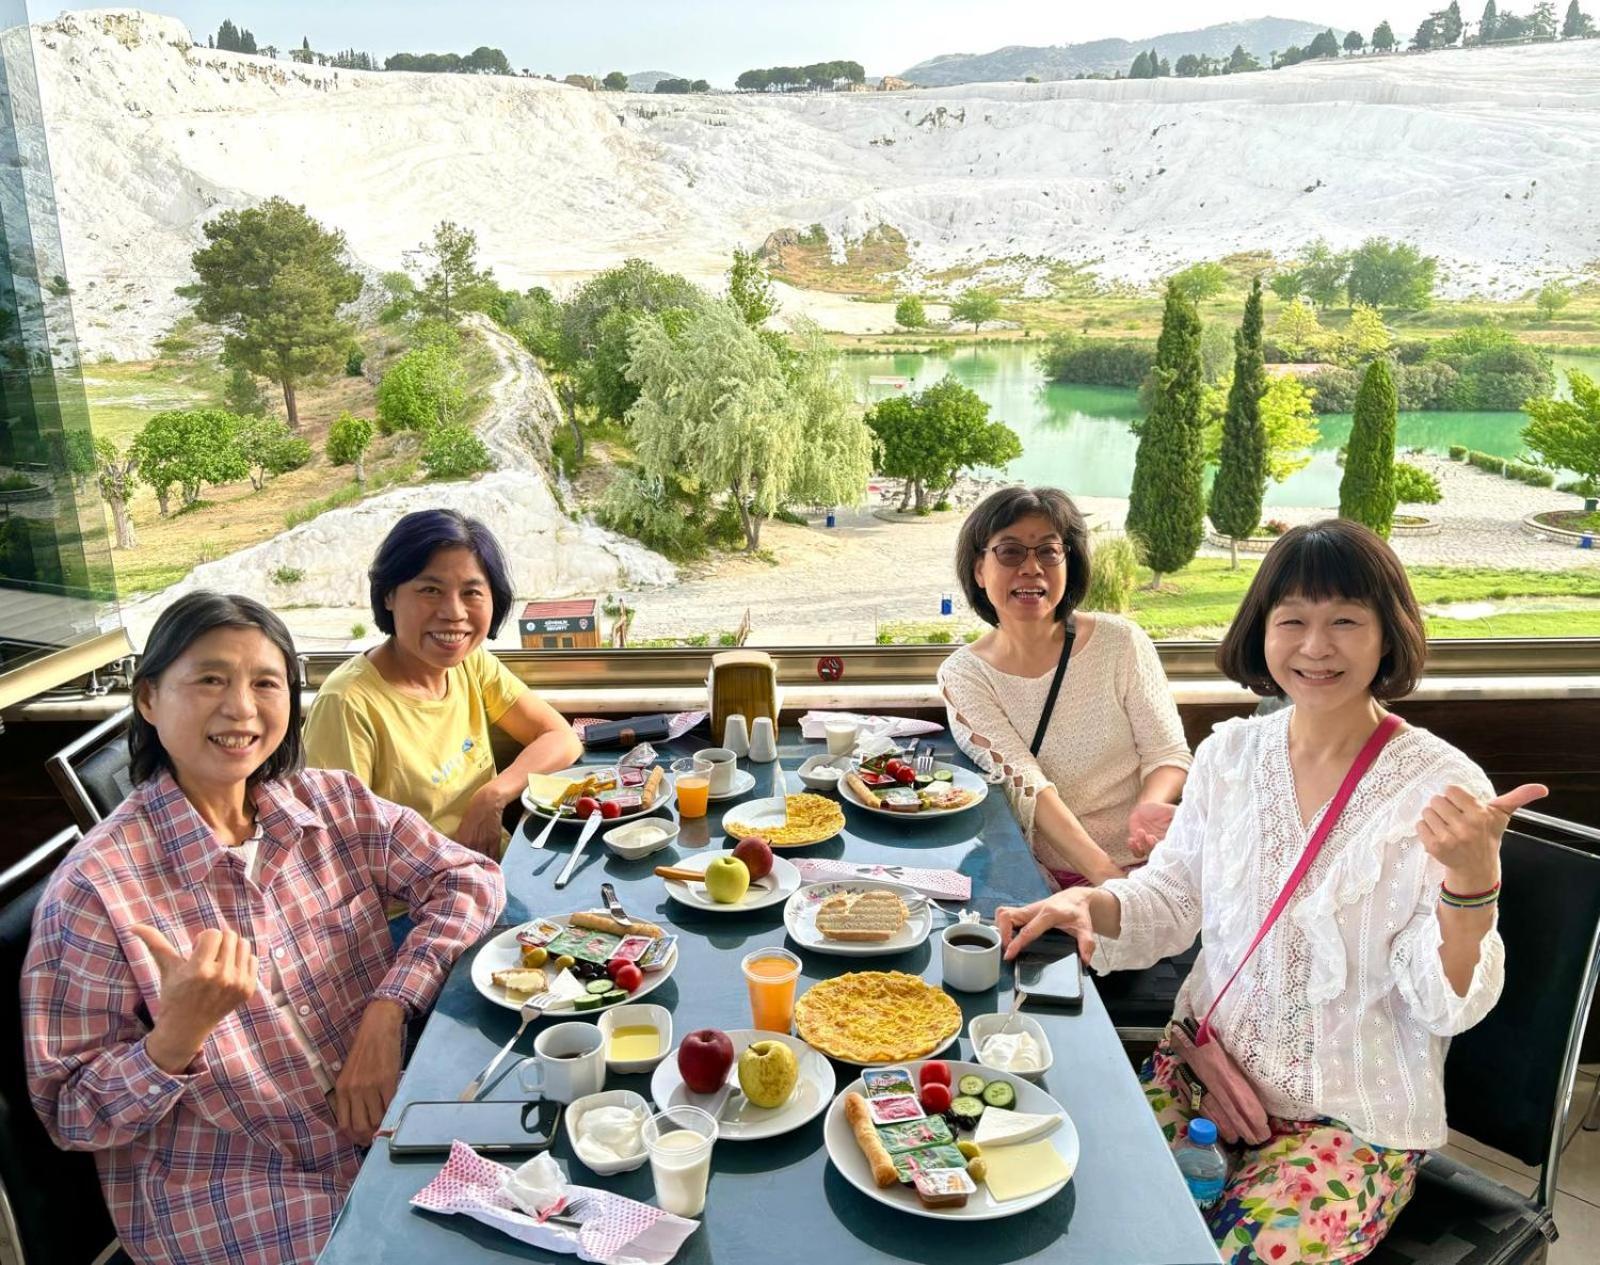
[425, 388]
[1578, 24]
[77, 456]
[454, 452]
[719, 406]
[1240, 485]
[241, 396]
[116, 475]
[1566, 433]
[1487, 25]
[1166, 505]
[1325, 45]
[750, 289]
[1427, 35]
[976, 306]
[909, 313]
[1141, 68]
[348, 439]
[1298, 332]
[1366, 492]
[452, 282]
[269, 447]
[1383, 37]
[753, 81]
[1353, 43]
[1201, 281]
[1323, 273]
[186, 448]
[1241, 60]
[616, 81]
[1390, 274]
[1365, 337]
[275, 279]
[1543, 20]
[1552, 298]
[929, 438]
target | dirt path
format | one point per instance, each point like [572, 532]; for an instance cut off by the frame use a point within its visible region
[522, 410]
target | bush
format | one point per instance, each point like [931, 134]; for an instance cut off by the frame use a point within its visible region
[1487, 461]
[659, 519]
[424, 388]
[910, 313]
[1415, 486]
[348, 439]
[454, 452]
[353, 360]
[1535, 476]
[1274, 527]
[1458, 452]
[288, 575]
[358, 630]
[1113, 572]
[1068, 358]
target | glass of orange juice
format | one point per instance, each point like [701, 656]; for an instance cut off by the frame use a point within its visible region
[771, 975]
[693, 787]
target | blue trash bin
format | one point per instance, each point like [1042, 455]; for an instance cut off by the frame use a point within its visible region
[946, 603]
[830, 518]
[1586, 541]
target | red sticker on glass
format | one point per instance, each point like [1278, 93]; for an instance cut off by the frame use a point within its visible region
[830, 667]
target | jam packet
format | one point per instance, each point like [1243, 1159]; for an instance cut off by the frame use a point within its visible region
[878, 1081]
[539, 933]
[658, 954]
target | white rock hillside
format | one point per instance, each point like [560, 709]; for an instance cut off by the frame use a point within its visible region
[1487, 158]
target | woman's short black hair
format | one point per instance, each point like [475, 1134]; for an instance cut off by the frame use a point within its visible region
[415, 538]
[1335, 559]
[1000, 510]
[183, 623]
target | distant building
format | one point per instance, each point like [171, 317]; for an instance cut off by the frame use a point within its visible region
[587, 82]
[559, 625]
[889, 83]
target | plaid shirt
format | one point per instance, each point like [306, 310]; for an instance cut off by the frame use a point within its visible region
[238, 1159]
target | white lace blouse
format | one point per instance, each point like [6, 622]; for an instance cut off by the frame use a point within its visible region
[1344, 1011]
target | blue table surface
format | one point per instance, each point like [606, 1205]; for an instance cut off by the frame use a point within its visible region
[781, 1199]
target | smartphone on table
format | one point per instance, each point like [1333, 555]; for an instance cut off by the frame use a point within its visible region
[427, 1128]
[1049, 972]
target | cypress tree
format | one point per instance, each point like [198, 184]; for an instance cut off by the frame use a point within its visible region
[1240, 486]
[1166, 507]
[1366, 493]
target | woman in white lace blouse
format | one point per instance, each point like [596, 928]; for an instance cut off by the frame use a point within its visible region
[1101, 789]
[1388, 947]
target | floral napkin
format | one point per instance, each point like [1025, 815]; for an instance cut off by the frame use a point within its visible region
[940, 884]
[615, 1230]
[813, 725]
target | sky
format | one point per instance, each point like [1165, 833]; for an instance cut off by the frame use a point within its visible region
[716, 39]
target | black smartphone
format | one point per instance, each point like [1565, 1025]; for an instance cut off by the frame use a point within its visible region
[1051, 975]
[427, 1128]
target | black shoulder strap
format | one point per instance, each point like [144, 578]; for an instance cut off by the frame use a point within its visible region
[1069, 633]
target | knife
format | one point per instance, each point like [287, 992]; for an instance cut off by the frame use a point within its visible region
[584, 835]
[613, 905]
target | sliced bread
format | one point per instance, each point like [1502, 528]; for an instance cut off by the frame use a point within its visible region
[864, 916]
[521, 982]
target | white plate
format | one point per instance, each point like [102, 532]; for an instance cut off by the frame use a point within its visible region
[963, 779]
[503, 952]
[767, 814]
[741, 1121]
[931, 1054]
[800, 918]
[781, 882]
[840, 1140]
[743, 781]
[576, 774]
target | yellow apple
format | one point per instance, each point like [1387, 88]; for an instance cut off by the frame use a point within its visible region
[768, 1072]
[727, 880]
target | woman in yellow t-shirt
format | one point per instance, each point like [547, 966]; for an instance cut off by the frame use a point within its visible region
[411, 717]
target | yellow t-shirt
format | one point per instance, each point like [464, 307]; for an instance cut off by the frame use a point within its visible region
[430, 755]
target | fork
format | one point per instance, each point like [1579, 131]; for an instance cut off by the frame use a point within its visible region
[924, 764]
[531, 1010]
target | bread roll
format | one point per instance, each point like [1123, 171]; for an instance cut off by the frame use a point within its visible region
[868, 796]
[594, 920]
[859, 1117]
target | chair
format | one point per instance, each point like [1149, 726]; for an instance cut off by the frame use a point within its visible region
[1509, 1080]
[92, 772]
[50, 1202]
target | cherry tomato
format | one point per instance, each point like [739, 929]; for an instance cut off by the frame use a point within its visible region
[905, 775]
[586, 805]
[935, 1098]
[610, 809]
[614, 966]
[935, 1073]
[628, 977]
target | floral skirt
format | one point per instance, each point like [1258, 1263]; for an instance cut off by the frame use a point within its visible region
[1312, 1192]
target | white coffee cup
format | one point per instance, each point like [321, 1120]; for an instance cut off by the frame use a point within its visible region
[569, 1061]
[719, 765]
[842, 735]
[972, 968]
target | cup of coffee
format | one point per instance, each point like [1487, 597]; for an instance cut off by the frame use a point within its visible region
[718, 765]
[569, 1062]
[970, 956]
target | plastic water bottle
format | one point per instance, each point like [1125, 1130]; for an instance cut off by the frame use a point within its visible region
[1202, 1164]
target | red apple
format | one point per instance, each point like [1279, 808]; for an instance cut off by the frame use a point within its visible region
[756, 853]
[704, 1058]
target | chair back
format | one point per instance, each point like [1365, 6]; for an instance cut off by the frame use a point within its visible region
[1508, 1079]
[58, 1214]
[92, 771]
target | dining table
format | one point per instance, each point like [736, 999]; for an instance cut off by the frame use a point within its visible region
[781, 1199]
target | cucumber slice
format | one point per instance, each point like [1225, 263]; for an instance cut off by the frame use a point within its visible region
[924, 779]
[589, 1001]
[599, 986]
[999, 1094]
[971, 1086]
[943, 775]
[613, 997]
[966, 1110]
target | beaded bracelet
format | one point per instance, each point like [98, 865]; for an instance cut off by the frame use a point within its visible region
[1477, 900]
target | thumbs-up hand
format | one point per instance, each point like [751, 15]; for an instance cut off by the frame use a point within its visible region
[1463, 834]
[197, 992]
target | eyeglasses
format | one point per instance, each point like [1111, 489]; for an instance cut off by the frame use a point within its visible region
[1012, 554]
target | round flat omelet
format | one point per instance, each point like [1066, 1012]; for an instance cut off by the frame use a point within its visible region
[876, 1017]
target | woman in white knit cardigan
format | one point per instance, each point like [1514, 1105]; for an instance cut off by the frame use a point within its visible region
[1101, 790]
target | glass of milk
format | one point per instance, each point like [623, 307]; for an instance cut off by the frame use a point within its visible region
[679, 1141]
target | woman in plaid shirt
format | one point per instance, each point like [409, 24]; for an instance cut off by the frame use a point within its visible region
[211, 999]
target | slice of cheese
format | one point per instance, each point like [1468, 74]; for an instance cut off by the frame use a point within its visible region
[1014, 1172]
[546, 789]
[999, 1127]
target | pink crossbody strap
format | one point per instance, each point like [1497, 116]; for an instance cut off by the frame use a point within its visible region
[1363, 761]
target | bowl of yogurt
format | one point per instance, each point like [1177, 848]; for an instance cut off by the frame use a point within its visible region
[606, 1131]
[637, 839]
[1024, 1050]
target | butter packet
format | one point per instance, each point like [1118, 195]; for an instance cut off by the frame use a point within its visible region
[658, 954]
[878, 1081]
[539, 933]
